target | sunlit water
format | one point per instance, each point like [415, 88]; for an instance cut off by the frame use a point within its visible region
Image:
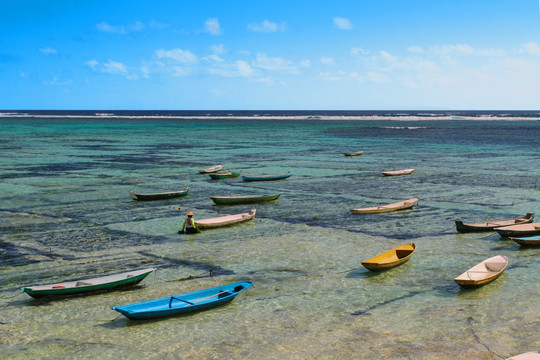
[66, 213]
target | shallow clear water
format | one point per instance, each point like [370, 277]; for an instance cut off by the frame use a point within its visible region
[66, 213]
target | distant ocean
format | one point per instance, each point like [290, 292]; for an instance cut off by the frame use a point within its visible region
[66, 213]
[284, 114]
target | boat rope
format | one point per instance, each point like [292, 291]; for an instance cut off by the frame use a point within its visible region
[14, 296]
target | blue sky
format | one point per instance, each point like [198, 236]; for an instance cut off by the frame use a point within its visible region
[281, 54]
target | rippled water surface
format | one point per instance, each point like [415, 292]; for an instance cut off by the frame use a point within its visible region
[66, 214]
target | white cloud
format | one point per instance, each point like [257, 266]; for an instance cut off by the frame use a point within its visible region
[267, 27]
[244, 69]
[59, 82]
[212, 26]
[215, 58]
[120, 29]
[378, 77]
[237, 69]
[92, 63]
[343, 23]
[415, 49]
[327, 60]
[179, 55]
[113, 67]
[305, 63]
[48, 51]
[273, 63]
[357, 51]
[218, 49]
[531, 48]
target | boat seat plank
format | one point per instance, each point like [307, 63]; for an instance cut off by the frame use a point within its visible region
[175, 298]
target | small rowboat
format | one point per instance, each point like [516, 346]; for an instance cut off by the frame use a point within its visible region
[390, 258]
[398, 172]
[402, 205]
[224, 175]
[225, 220]
[532, 355]
[183, 303]
[212, 169]
[243, 199]
[491, 225]
[527, 241]
[88, 285]
[158, 196]
[358, 153]
[521, 230]
[267, 177]
[483, 272]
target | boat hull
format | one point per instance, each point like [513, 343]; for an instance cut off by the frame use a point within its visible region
[527, 241]
[483, 272]
[158, 196]
[225, 220]
[358, 153]
[212, 169]
[89, 285]
[390, 258]
[183, 303]
[403, 205]
[398, 172]
[491, 225]
[219, 176]
[522, 230]
[247, 199]
[267, 177]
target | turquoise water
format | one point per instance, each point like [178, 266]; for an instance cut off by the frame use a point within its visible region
[67, 214]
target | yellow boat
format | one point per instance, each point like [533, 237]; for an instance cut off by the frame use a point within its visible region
[390, 258]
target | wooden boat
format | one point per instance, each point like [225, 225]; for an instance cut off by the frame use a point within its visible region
[225, 220]
[243, 199]
[531, 355]
[527, 241]
[224, 175]
[398, 172]
[402, 205]
[483, 272]
[267, 177]
[183, 303]
[390, 258]
[358, 153]
[521, 230]
[212, 169]
[129, 278]
[490, 225]
[158, 196]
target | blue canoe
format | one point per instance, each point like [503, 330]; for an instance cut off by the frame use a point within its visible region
[267, 177]
[183, 303]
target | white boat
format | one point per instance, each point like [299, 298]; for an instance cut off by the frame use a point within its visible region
[531, 355]
[402, 205]
[225, 220]
[398, 172]
[482, 273]
[212, 169]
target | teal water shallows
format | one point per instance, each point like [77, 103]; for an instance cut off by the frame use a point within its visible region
[66, 213]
